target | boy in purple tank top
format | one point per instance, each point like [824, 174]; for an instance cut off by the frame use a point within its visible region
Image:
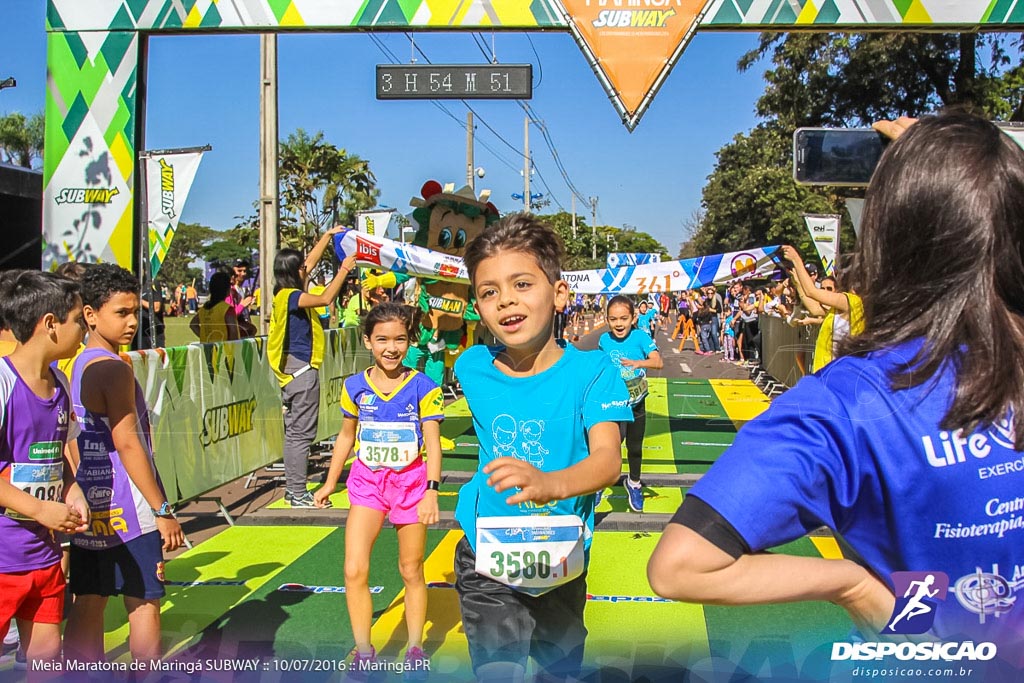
[38, 494]
[122, 552]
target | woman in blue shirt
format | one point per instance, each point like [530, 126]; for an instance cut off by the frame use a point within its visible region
[910, 445]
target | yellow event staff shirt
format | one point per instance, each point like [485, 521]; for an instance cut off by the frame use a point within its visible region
[834, 328]
[294, 331]
[213, 325]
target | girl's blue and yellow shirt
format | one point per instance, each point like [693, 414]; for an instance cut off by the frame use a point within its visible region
[416, 399]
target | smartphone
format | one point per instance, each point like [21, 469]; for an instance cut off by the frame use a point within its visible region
[836, 156]
[848, 156]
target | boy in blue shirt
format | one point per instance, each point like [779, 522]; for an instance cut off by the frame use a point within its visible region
[546, 415]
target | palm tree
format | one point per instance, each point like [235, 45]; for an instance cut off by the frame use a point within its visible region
[320, 185]
[21, 138]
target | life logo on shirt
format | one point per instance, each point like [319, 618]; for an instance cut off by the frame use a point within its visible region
[1002, 432]
[918, 595]
[367, 399]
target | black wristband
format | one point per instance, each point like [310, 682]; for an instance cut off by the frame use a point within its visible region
[433, 485]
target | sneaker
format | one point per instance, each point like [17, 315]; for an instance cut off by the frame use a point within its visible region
[635, 495]
[12, 637]
[303, 501]
[417, 665]
[361, 668]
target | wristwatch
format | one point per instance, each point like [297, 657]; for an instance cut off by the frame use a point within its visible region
[433, 485]
[163, 511]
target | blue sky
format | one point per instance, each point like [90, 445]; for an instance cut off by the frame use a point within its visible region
[204, 90]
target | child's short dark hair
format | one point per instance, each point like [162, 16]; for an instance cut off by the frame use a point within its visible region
[104, 280]
[72, 270]
[387, 312]
[520, 232]
[27, 295]
[6, 276]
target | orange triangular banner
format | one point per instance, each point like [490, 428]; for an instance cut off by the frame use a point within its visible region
[633, 44]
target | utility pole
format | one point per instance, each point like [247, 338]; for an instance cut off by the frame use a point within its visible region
[574, 216]
[526, 169]
[469, 151]
[593, 228]
[268, 175]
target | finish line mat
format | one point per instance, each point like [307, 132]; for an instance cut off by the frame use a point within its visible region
[690, 422]
[265, 592]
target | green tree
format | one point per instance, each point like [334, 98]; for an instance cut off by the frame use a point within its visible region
[246, 232]
[751, 200]
[320, 185]
[225, 251]
[831, 79]
[21, 138]
[186, 247]
[578, 244]
[839, 80]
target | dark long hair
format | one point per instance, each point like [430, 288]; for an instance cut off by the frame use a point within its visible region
[286, 270]
[941, 258]
[220, 287]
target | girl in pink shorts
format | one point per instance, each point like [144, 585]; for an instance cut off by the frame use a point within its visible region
[392, 414]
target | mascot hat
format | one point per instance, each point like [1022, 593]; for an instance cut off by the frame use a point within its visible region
[462, 201]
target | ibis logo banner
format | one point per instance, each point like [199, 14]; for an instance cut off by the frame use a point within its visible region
[168, 179]
[633, 45]
[825, 235]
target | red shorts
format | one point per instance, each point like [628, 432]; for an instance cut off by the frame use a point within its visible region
[35, 595]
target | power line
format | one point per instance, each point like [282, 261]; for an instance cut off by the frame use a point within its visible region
[466, 104]
[394, 58]
[548, 141]
[388, 53]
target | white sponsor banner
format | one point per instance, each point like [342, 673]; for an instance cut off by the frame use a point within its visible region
[668, 276]
[855, 207]
[168, 179]
[628, 259]
[825, 235]
[374, 223]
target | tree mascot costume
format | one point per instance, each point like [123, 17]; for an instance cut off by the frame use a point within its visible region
[446, 221]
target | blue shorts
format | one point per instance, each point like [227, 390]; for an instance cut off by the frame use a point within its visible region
[133, 569]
